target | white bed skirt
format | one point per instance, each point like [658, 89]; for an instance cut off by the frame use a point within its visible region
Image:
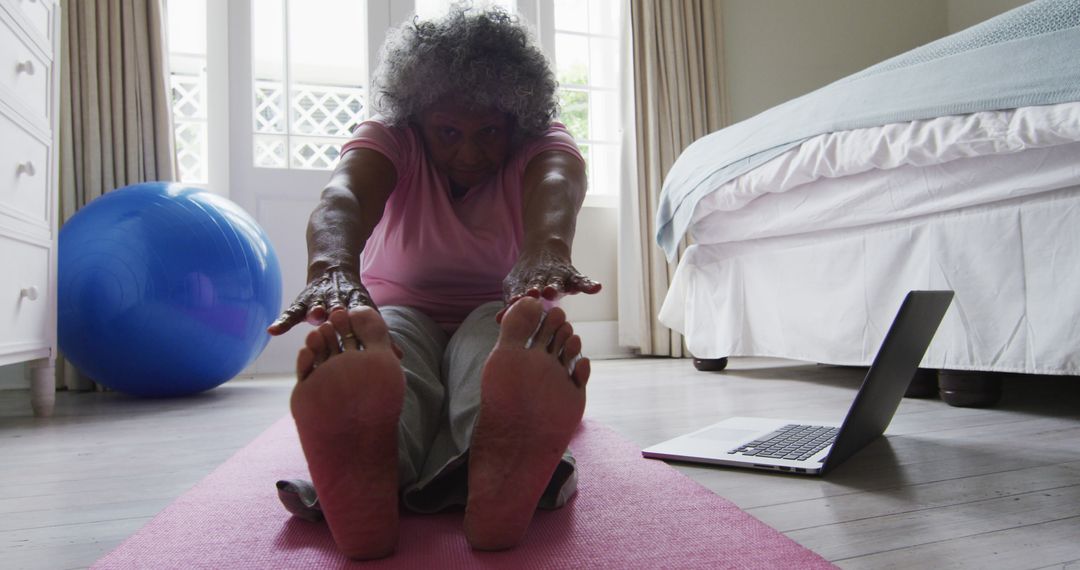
[830, 296]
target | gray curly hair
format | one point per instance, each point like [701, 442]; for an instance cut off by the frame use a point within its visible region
[481, 57]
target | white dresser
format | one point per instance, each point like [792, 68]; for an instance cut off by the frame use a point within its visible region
[29, 103]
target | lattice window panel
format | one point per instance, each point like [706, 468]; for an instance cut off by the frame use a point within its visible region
[270, 151]
[315, 154]
[269, 107]
[325, 110]
[190, 129]
[321, 121]
[191, 151]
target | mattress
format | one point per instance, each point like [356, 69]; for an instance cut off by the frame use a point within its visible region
[898, 171]
[809, 256]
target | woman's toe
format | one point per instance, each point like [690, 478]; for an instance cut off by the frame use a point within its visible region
[571, 351]
[521, 322]
[545, 333]
[330, 338]
[581, 370]
[370, 328]
[343, 328]
[305, 363]
[558, 342]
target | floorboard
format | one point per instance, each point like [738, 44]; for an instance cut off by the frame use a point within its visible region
[947, 488]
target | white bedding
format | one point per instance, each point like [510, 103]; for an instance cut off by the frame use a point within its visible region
[898, 171]
[809, 256]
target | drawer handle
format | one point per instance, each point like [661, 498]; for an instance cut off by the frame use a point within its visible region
[26, 67]
[26, 168]
[30, 293]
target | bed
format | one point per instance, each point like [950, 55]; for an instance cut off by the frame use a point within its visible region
[954, 166]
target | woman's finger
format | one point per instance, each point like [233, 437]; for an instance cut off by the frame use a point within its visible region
[289, 317]
[536, 286]
[553, 289]
[530, 289]
[334, 297]
[358, 298]
[317, 314]
[581, 284]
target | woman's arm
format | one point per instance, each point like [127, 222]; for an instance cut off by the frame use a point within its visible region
[351, 206]
[554, 189]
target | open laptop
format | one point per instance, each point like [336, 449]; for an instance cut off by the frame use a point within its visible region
[814, 449]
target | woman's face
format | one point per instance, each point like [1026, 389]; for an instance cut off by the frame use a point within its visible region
[467, 145]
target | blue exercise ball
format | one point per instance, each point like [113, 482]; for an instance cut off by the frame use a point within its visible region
[164, 289]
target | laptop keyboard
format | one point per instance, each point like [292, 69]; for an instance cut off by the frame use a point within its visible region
[793, 441]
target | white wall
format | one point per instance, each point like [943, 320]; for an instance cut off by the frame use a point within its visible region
[594, 255]
[966, 13]
[13, 377]
[594, 316]
[776, 50]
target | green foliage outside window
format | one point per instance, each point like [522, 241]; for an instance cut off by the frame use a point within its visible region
[574, 101]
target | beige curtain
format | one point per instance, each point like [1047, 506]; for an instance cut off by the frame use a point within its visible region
[678, 73]
[115, 106]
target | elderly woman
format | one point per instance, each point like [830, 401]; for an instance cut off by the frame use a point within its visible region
[435, 374]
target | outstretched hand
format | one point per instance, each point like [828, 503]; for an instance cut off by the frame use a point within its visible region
[335, 289]
[544, 275]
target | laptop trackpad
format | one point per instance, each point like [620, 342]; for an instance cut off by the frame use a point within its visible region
[725, 433]
[736, 431]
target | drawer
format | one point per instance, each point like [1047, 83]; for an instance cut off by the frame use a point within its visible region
[24, 173]
[24, 74]
[39, 14]
[24, 295]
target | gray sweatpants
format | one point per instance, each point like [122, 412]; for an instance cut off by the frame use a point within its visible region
[442, 401]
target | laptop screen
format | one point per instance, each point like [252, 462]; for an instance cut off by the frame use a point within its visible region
[891, 372]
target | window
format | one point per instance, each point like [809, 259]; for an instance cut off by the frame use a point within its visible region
[428, 9]
[187, 62]
[587, 44]
[310, 80]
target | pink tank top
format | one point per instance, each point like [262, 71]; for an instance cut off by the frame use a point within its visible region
[445, 256]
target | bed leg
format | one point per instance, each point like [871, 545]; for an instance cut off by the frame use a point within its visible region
[710, 364]
[924, 384]
[969, 389]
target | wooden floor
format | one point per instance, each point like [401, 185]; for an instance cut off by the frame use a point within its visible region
[948, 487]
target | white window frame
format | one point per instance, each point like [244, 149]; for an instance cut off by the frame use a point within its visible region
[541, 15]
[381, 15]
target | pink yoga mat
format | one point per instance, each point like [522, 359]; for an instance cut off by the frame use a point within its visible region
[629, 512]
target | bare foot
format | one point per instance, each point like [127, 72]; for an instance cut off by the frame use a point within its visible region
[346, 406]
[532, 399]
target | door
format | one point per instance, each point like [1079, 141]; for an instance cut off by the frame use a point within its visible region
[297, 83]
